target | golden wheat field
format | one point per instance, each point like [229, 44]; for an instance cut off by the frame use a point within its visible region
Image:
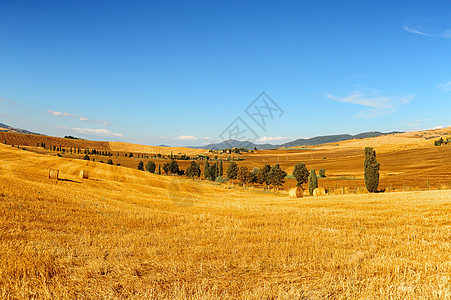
[125, 233]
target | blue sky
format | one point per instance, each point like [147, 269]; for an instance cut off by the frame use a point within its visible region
[180, 72]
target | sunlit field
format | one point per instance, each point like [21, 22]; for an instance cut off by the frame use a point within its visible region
[125, 233]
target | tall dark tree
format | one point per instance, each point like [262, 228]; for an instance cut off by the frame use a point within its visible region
[193, 170]
[371, 169]
[151, 166]
[206, 167]
[173, 167]
[232, 171]
[221, 170]
[211, 173]
[263, 175]
[141, 166]
[159, 169]
[312, 182]
[253, 176]
[277, 176]
[300, 173]
[243, 175]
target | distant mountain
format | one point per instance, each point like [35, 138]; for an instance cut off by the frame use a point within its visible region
[6, 128]
[334, 138]
[236, 144]
[296, 143]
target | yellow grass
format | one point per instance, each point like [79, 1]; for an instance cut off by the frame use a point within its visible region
[127, 233]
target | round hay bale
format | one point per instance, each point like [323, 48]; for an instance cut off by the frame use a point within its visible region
[84, 174]
[306, 193]
[53, 174]
[319, 192]
[297, 192]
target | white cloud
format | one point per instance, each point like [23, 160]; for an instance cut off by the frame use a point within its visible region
[445, 86]
[266, 139]
[186, 138]
[94, 131]
[437, 127]
[378, 105]
[445, 34]
[416, 31]
[81, 118]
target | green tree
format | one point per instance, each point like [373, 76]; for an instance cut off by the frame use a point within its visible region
[159, 169]
[151, 166]
[193, 170]
[312, 181]
[141, 166]
[277, 176]
[130, 155]
[300, 173]
[221, 170]
[243, 175]
[109, 162]
[232, 171]
[173, 167]
[206, 167]
[263, 175]
[86, 157]
[166, 168]
[211, 172]
[371, 170]
[253, 176]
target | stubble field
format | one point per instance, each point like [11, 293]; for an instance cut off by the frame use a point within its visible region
[125, 233]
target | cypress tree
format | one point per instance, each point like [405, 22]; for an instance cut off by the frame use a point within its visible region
[312, 181]
[221, 170]
[371, 169]
[159, 170]
[207, 165]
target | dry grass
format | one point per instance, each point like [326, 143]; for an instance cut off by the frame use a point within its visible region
[122, 235]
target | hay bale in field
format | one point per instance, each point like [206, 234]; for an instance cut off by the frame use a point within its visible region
[306, 193]
[319, 192]
[297, 192]
[53, 173]
[84, 174]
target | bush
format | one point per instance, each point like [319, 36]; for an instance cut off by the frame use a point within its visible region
[141, 166]
[109, 162]
[322, 173]
[86, 157]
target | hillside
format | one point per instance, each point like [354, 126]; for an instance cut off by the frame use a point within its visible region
[12, 138]
[7, 128]
[296, 143]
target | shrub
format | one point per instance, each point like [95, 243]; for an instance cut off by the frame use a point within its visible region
[109, 162]
[86, 157]
[141, 166]
[322, 173]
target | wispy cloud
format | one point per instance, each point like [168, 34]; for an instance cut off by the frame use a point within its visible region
[378, 105]
[6, 100]
[94, 131]
[186, 138]
[444, 34]
[81, 118]
[445, 86]
[416, 31]
[267, 139]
